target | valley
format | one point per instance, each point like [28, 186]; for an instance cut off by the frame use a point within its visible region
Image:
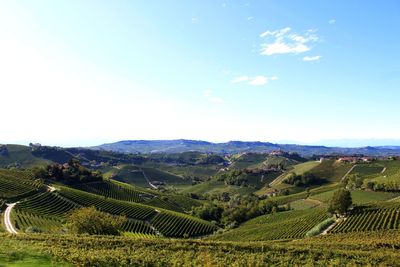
[278, 200]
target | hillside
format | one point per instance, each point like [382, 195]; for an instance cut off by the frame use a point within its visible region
[242, 199]
[234, 147]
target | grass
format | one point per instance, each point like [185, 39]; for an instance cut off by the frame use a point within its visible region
[363, 197]
[201, 172]
[129, 174]
[304, 204]
[367, 169]
[217, 187]
[358, 196]
[304, 167]
[331, 170]
[16, 253]
[165, 177]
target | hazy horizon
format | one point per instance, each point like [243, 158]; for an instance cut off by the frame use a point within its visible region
[349, 143]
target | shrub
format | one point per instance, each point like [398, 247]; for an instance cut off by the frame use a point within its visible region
[33, 229]
[90, 221]
[319, 228]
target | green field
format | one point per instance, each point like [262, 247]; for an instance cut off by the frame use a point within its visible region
[21, 156]
[129, 174]
[358, 196]
[331, 170]
[367, 169]
[217, 187]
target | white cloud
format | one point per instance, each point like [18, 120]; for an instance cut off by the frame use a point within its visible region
[208, 94]
[332, 21]
[250, 18]
[254, 81]
[314, 58]
[283, 42]
[258, 81]
[240, 79]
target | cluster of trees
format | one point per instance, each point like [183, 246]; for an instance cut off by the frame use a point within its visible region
[234, 177]
[237, 209]
[390, 186]
[70, 173]
[90, 221]
[239, 177]
[302, 180]
[353, 181]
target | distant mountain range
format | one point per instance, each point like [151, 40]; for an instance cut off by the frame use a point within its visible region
[231, 147]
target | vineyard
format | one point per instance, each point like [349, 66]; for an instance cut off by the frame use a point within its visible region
[370, 219]
[178, 225]
[47, 204]
[135, 226]
[352, 249]
[283, 225]
[387, 181]
[116, 207]
[111, 190]
[24, 220]
[16, 183]
[116, 190]
[47, 212]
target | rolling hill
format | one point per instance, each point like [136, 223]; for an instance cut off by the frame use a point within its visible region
[234, 147]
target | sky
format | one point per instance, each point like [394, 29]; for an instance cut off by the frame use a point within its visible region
[82, 73]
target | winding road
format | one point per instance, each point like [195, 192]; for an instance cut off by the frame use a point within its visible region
[7, 222]
[148, 181]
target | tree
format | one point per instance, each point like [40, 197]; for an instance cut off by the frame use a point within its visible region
[341, 201]
[209, 212]
[90, 221]
[353, 181]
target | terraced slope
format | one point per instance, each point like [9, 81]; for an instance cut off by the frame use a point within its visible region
[292, 224]
[138, 227]
[374, 218]
[47, 204]
[117, 207]
[16, 183]
[23, 220]
[172, 224]
[120, 191]
[112, 190]
[168, 223]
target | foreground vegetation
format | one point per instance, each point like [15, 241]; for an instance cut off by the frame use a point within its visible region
[379, 248]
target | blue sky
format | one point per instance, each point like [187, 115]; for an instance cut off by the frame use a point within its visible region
[88, 72]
